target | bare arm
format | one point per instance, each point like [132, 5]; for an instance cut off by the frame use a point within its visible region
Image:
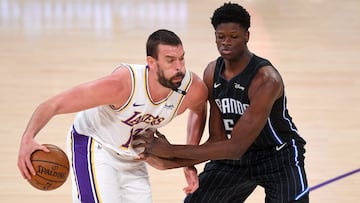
[113, 89]
[196, 123]
[195, 129]
[266, 87]
[198, 111]
[216, 125]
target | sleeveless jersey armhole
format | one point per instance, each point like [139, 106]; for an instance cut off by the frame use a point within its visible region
[184, 87]
[132, 73]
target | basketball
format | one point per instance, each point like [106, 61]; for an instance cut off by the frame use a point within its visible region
[52, 168]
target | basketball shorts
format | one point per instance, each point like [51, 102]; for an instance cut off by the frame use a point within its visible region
[280, 171]
[98, 175]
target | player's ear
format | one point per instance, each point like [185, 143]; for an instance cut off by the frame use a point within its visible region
[150, 61]
[247, 36]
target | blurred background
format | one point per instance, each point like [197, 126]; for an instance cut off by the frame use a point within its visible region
[47, 46]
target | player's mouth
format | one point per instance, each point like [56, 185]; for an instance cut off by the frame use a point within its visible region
[225, 51]
[177, 79]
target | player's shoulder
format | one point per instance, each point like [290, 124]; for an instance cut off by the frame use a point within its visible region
[197, 81]
[127, 71]
[268, 73]
[211, 66]
[124, 67]
[122, 76]
[198, 87]
[267, 79]
[265, 69]
[208, 75]
[121, 69]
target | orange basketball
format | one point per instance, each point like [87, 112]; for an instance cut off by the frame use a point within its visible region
[52, 168]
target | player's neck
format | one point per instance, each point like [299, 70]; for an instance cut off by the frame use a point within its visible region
[234, 67]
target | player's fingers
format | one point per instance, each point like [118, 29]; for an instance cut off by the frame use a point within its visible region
[43, 148]
[147, 139]
[149, 133]
[141, 157]
[22, 165]
[30, 167]
[139, 138]
[24, 171]
[190, 189]
[195, 187]
[24, 162]
[140, 144]
[160, 135]
[187, 190]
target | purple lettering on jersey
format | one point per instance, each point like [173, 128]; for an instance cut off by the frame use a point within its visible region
[133, 133]
[137, 117]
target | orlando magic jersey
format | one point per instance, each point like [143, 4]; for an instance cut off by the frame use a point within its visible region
[115, 128]
[232, 99]
[274, 161]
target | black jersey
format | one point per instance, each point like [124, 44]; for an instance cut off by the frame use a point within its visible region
[231, 96]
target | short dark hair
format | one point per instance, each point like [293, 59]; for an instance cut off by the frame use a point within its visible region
[231, 13]
[162, 36]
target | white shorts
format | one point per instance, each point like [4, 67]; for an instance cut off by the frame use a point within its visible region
[98, 175]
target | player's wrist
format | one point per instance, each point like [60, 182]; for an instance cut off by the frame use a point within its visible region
[187, 168]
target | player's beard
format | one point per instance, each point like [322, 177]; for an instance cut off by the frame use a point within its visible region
[168, 82]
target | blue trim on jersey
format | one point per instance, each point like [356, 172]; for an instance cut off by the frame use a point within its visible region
[284, 115]
[274, 133]
[291, 126]
[302, 194]
[303, 189]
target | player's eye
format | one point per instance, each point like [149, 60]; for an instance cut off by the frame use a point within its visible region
[220, 36]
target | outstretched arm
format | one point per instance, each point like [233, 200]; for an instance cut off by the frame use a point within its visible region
[265, 88]
[158, 162]
[81, 97]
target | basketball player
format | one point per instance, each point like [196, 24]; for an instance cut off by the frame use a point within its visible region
[252, 139]
[114, 109]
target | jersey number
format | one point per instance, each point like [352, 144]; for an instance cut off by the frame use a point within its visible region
[133, 133]
[229, 126]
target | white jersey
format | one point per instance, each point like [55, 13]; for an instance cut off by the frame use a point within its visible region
[115, 128]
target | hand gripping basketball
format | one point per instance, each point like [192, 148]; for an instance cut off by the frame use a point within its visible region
[52, 168]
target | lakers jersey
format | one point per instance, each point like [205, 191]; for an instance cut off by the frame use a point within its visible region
[115, 128]
[231, 96]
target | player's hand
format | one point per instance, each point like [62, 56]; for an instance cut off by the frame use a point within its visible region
[157, 145]
[192, 179]
[139, 142]
[25, 151]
